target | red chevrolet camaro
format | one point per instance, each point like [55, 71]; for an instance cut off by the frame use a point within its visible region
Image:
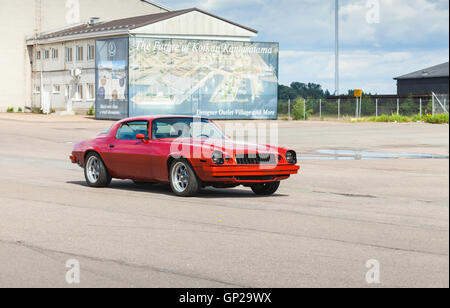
[189, 153]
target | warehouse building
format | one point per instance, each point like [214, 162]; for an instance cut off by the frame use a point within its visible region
[20, 19]
[432, 79]
[172, 62]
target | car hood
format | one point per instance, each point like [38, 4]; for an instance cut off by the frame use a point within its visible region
[228, 146]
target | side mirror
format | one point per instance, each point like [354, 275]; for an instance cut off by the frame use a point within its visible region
[142, 138]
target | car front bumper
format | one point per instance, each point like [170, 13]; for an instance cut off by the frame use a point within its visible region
[246, 174]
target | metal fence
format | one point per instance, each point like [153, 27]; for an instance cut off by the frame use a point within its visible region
[369, 106]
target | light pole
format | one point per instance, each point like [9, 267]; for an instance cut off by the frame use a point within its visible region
[337, 47]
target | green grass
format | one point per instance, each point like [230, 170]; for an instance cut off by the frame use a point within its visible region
[390, 118]
[91, 112]
[436, 119]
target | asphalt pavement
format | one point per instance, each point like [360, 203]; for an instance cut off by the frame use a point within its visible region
[319, 230]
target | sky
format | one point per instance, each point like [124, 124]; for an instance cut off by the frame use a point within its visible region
[380, 39]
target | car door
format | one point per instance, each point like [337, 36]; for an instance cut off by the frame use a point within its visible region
[128, 157]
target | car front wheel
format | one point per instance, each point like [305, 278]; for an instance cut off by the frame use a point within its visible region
[266, 189]
[95, 171]
[183, 180]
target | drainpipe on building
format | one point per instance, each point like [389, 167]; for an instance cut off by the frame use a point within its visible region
[72, 84]
[35, 69]
[33, 72]
[41, 98]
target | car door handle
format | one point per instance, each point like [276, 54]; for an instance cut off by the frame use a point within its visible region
[112, 146]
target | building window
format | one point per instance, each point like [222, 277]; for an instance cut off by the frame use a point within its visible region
[91, 91]
[67, 91]
[79, 94]
[79, 53]
[91, 52]
[46, 54]
[69, 55]
[56, 88]
[37, 89]
[55, 53]
[38, 55]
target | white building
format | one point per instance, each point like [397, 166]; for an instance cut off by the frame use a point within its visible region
[61, 62]
[20, 19]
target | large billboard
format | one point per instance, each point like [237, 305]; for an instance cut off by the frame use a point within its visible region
[214, 79]
[111, 78]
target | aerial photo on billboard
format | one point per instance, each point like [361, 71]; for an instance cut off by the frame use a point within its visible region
[215, 79]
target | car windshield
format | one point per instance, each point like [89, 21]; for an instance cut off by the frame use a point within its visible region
[106, 131]
[185, 128]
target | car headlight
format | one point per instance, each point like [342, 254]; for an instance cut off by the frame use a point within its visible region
[217, 158]
[291, 157]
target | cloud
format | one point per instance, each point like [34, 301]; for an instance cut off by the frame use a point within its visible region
[372, 71]
[411, 35]
[214, 5]
[310, 23]
[402, 23]
[227, 4]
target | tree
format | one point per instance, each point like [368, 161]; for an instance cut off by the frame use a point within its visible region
[408, 106]
[298, 111]
[296, 90]
[285, 93]
[368, 106]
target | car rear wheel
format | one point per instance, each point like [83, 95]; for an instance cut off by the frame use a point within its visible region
[95, 171]
[183, 180]
[266, 189]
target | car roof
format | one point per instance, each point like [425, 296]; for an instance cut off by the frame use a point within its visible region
[151, 118]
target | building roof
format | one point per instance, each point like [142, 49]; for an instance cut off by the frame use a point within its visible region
[129, 24]
[437, 71]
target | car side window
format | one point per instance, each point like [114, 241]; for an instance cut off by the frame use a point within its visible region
[129, 130]
[160, 130]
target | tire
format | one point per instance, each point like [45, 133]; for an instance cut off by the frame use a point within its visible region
[95, 171]
[265, 189]
[183, 180]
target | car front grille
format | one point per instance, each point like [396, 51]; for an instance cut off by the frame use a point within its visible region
[256, 159]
